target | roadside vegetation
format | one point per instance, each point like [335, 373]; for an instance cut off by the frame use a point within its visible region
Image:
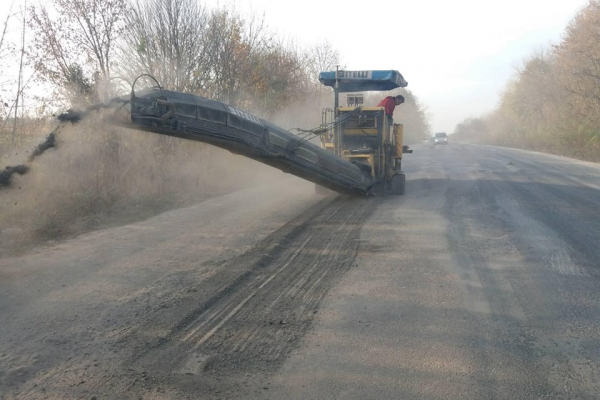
[553, 102]
[74, 53]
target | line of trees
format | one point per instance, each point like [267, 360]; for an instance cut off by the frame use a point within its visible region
[553, 102]
[80, 47]
[83, 51]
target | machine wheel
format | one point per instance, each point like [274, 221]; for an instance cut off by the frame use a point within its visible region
[398, 184]
[321, 191]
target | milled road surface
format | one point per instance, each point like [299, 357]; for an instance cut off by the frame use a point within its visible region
[482, 282]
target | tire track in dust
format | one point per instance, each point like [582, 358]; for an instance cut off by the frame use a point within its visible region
[254, 319]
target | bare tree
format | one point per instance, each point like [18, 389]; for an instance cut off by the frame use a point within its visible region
[217, 53]
[4, 28]
[321, 57]
[20, 77]
[166, 38]
[535, 93]
[76, 47]
[229, 54]
[578, 59]
[6, 52]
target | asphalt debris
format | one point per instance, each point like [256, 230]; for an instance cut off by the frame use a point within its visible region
[71, 116]
[22, 169]
[48, 143]
[7, 173]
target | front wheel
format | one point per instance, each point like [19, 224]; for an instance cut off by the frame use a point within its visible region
[398, 184]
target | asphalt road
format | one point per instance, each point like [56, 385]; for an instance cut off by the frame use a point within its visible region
[480, 283]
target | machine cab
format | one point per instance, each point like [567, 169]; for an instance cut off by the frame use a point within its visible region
[363, 135]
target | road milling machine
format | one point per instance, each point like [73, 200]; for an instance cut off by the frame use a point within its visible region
[361, 149]
[366, 136]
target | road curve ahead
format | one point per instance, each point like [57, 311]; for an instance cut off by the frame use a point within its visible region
[482, 282]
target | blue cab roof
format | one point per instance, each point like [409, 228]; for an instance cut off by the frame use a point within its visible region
[362, 81]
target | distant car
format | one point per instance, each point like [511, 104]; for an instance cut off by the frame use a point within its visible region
[440, 138]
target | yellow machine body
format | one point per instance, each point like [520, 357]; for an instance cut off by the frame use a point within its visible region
[369, 139]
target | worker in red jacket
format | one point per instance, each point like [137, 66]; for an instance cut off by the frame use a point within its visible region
[390, 104]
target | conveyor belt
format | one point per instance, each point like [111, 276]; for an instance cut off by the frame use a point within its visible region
[197, 118]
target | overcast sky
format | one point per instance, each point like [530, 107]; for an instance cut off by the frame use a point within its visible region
[456, 55]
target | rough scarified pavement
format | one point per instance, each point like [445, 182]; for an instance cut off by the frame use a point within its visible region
[200, 302]
[480, 283]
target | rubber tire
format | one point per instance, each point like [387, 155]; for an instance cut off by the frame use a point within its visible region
[398, 184]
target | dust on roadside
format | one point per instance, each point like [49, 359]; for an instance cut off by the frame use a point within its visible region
[89, 176]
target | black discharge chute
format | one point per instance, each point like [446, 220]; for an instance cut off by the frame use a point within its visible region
[200, 119]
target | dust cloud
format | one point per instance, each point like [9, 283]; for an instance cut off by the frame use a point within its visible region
[93, 175]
